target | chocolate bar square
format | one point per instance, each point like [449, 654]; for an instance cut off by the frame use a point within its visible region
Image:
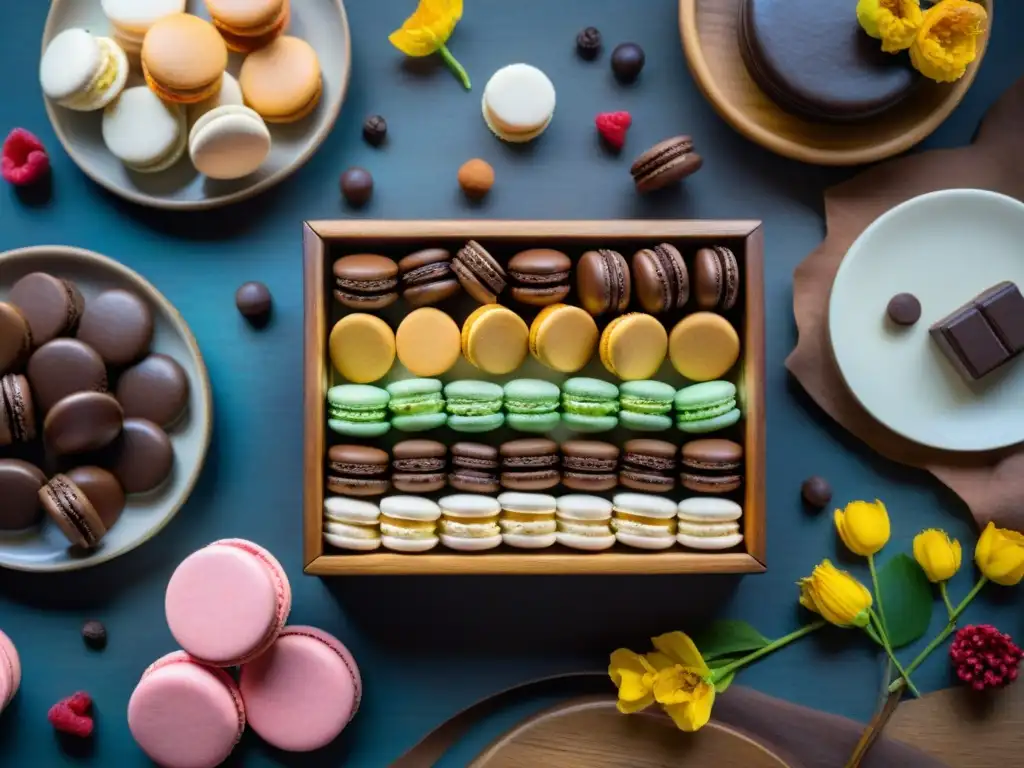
[984, 333]
[1003, 307]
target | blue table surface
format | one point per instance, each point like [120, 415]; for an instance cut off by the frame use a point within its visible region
[429, 646]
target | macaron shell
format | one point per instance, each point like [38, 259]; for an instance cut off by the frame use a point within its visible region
[10, 671]
[428, 342]
[563, 337]
[712, 424]
[519, 99]
[69, 64]
[184, 58]
[710, 543]
[250, 16]
[495, 339]
[638, 541]
[229, 142]
[585, 543]
[704, 346]
[362, 348]
[139, 15]
[481, 544]
[282, 81]
[144, 132]
[633, 346]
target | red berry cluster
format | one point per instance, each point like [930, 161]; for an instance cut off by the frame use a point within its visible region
[71, 715]
[983, 657]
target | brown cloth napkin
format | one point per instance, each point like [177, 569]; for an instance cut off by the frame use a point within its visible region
[992, 482]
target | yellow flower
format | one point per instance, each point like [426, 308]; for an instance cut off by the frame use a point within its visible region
[894, 22]
[634, 677]
[427, 31]
[836, 595]
[683, 683]
[947, 41]
[1000, 555]
[937, 554]
[863, 526]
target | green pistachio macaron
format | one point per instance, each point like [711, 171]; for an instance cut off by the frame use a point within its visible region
[706, 407]
[590, 405]
[532, 405]
[416, 404]
[645, 405]
[358, 410]
[474, 406]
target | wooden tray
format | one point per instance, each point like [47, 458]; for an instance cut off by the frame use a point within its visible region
[708, 29]
[325, 241]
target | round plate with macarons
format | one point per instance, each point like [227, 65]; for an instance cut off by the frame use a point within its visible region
[228, 124]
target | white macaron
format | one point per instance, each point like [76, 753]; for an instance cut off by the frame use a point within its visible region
[229, 142]
[131, 19]
[351, 524]
[408, 523]
[143, 132]
[82, 72]
[584, 522]
[518, 103]
[709, 523]
[528, 519]
[469, 522]
[230, 93]
[644, 521]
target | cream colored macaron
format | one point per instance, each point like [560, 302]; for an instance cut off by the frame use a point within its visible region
[229, 142]
[518, 103]
[528, 519]
[469, 522]
[230, 93]
[584, 522]
[408, 524]
[146, 134]
[644, 521]
[709, 523]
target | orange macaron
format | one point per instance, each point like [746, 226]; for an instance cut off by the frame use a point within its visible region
[282, 82]
[248, 25]
[183, 59]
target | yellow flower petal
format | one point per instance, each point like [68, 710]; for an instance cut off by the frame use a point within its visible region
[863, 526]
[632, 707]
[428, 28]
[695, 714]
[676, 685]
[1000, 555]
[836, 595]
[947, 41]
[634, 678]
[680, 648]
[937, 554]
[658, 660]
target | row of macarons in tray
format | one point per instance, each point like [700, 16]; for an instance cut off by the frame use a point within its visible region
[531, 521]
[529, 405]
[494, 339]
[657, 276]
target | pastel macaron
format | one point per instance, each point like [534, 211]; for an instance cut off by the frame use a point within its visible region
[709, 523]
[645, 405]
[82, 72]
[528, 519]
[184, 714]
[494, 339]
[416, 405]
[358, 410]
[706, 407]
[352, 524]
[131, 19]
[518, 103]
[474, 406]
[408, 524]
[703, 346]
[563, 337]
[428, 342]
[229, 94]
[590, 405]
[10, 671]
[183, 59]
[532, 405]
[584, 522]
[469, 522]
[229, 142]
[282, 81]
[362, 347]
[145, 133]
[303, 691]
[644, 521]
[251, 24]
[227, 602]
[633, 346]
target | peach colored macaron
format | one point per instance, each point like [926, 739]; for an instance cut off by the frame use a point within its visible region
[183, 59]
[282, 82]
[248, 25]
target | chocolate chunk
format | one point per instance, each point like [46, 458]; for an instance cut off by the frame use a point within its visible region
[1003, 306]
[357, 186]
[375, 130]
[627, 61]
[254, 302]
[970, 343]
[95, 635]
[904, 309]
[588, 43]
[816, 491]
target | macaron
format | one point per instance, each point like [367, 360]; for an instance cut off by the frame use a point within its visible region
[427, 277]
[144, 132]
[282, 81]
[119, 325]
[141, 458]
[474, 468]
[17, 410]
[101, 490]
[518, 103]
[540, 276]
[428, 342]
[365, 281]
[183, 59]
[249, 25]
[494, 339]
[528, 520]
[708, 523]
[357, 470]
[706, 407]
[229, 94]
[418, 466]
[131, 19]
[479, 273]
[82, 423]
[603, 282]
[584, 522]
[589, 465]
[82, 72]
[469, 522]
[474, 406]
[530, 464]
[156, 389]
[227, 602]
[633, 346]
[300, 694]
[408, 524]
[62, 367]
[351, 524]
[644, 521]
[590, 405]
[645, 405]
[229, 142]
[416, 405]
[660, 278]
[51, 305]
[15, 338]
[716, 277]
[358, 410]
[563, 338]
[362, 347]
[532, 405]
[184, 714]
[703, 346]
[667, 162]
[75, 516]
[648, 465]
[20, 483]
[712, 465]
[10, 671]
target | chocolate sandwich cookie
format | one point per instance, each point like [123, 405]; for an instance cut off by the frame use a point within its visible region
[118, 325]
[418, 466]
[62, 367]
[648, 466]
[427, 277]
[474, 468]
[357, 470]
[480, 275]
[530, 464]
[15, 338]
[103, 491]
[540, 276]
[712, 465]
[52, 306]
[156, 389]
[365, 281]
[667, 162]
[17, 410]
[603, 282]
[589, 465]
[142, 457]
[82, 422]
[660, 278]
[69, 507]
[19, 491]
[716, 278]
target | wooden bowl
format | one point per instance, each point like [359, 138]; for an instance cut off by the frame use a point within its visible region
[710, 42]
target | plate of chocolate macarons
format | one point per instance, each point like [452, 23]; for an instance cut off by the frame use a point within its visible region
[193, 104]
[105, 409]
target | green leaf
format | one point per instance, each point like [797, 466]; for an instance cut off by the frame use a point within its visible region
[723, 685]
[728, 638]
[906, 597]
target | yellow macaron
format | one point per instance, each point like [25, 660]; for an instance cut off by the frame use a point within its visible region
[282, 82]
[428, 342]
[362, 348]
[563, 337]
[703, 346]
[633, 346]
[494, 339]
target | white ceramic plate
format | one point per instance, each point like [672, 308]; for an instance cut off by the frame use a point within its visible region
[45, 548]
[945, 248]
[322, 23]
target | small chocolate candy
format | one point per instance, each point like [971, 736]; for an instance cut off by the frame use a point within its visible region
[816, 491]
[628, 61]
[357, 186]
[984, 333]
[95, 635]
[904, 309]
[476, 177]
[254, 301]
[375, 130]
[588, 43]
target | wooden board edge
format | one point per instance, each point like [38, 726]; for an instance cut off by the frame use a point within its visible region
[755, 373]
[314, 383]
[369, 229]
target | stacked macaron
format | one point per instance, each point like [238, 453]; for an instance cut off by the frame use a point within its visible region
[590, 405]
[706, 407]
[416, 405]
[469, 522]
[531, 405]
[518, 103]
[474, 406]
[528, 520]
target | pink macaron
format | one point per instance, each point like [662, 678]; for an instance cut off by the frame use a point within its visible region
[185, 714]
[301, 693]
[227, 602]
[10, 671]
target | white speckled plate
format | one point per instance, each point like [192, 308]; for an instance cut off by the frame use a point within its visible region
[322, 23]
[45, 548]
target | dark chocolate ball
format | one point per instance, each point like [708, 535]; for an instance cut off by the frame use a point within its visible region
[588, 43]
[254, 302]
[904, 309]
[628, 61]
[817, 492]
[357, 186]
[375, 130]
[95, 635]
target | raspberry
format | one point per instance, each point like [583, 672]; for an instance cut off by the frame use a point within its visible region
[613, 126]
[24, 158]
[983, 657]
[70, 715]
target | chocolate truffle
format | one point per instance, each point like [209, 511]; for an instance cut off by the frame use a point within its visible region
[357, 186]
[476, 177]
[254, 302]
[628, 61]
[375, 130]
[588, 43]
[816, 491]
[904, 309]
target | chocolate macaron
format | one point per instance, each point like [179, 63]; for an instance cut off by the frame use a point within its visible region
[418, 466]
[648, 465]
[427, 277]
[712, 465]
[15, 338]
[19, 491]
[589, 465]
[52, 306]
[155, 389]
[540, 276]
[530, 464]
[603, 282]
[357, 470]
[474, 468]
[667, 162]
[17, 410]
[365, 281]
[62, 367]
[716, 278]
[69, 507]
[660, 279]
[118, 325]
[103, 491]
[83, 422]
[142, 457]
[478, 272]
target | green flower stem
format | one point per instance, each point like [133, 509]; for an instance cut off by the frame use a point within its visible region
[454, 66]
[722, 672]
[945, 633]
[892, 656]
[950, 610]
[884, 630]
